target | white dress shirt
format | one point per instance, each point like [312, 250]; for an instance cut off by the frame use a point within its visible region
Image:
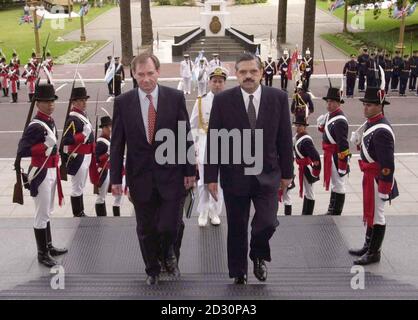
[256, 99]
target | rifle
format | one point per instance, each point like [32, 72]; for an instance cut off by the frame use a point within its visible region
[325, 65]
[18, 190]
[96, 129]
[64, 156]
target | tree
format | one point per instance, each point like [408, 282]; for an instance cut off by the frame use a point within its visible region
[281, 22]
[146, 24]
[345, 16]
[309, 26]
[126, 31]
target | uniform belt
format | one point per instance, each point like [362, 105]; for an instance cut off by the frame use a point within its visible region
[351, 71]
[81, 149]
[370, 172]
[52, 161]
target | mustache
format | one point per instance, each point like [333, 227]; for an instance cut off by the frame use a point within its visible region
[248, 80]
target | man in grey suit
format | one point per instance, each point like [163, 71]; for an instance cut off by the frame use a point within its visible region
[157, 189]
[264, 112]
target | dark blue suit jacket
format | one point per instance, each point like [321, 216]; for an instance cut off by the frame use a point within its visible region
[228, 111]
[143, 173]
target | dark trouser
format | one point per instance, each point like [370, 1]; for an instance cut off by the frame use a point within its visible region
[307, 80]
[394, 81]
[263, 225]
[156, 219]
[388, 76]
[403, 84]
[361, 80]
[110, 87]
[284, 81]
[268, 78]
[351, 82]
[118, 89]
[412, 82]
[371, 80]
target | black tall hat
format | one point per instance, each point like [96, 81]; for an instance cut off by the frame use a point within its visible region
[79, 93]
[334, 94]
[374, 95]
[105, 121]
[45, 92]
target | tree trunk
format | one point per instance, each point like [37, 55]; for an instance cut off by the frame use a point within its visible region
[126, 31]
[309, 26]
[281, 22]
[146, 24]
[345, 16]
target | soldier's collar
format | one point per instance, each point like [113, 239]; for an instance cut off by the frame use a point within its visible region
[43, 116]
[75, 109]
[335, 112]
[375, 118]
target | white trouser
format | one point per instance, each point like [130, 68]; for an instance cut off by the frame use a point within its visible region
[206, 202]
[44, 201]
[201, 88]
[379, 207]
[286, 198]
[337, 182]
[308, 189]
[103, 191]
[187, 84]
[78, 182]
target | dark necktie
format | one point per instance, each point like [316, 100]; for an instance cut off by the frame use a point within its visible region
[252, 117]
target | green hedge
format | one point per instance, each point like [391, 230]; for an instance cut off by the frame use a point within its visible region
[249, 1]
[176, 2]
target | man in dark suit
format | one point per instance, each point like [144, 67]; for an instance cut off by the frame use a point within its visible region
[156, 189]
[263, 112]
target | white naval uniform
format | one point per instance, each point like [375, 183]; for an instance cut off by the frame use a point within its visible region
[202, 79]
[206, 202]
[186, 73]
[215, 63]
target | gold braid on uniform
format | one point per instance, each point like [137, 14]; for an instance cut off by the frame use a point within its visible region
[202, 124]
[71, 125]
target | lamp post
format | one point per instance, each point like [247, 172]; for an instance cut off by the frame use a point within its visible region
[33, 7]
[69, 11]
[400, 44]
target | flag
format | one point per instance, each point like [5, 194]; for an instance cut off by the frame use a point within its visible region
[39, 25]
[84, 10]
[293, 64]
[110, 73]
[337, 4]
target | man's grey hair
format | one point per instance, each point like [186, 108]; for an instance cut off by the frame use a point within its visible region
[248, 56]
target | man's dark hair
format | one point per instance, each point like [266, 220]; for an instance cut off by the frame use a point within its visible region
[248, 56]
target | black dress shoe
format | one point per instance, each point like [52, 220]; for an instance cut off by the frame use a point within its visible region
[240, 280]
[260, 269]
[54, 252]
[172, 267]
[152, 280]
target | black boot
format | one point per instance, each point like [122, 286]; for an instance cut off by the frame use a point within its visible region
[339, 203]
[287, 210]
[52, 250]
[308, 206]
[5, 92]
[331, 206]
[362, 251]
[116, 211]
[14, 97]
[82, 206]
[76, 206]
[43, 253]
[373, 253]
[30, 97]
[101, 209]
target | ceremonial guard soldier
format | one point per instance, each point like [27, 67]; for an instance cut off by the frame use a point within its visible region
[269, 70]
[405, 70]
[377, 144]
[334, 126]
[186, 73]
[309, 67]
[350, 72]
[39, 141]
[16, 63]
[78, 138]
[362, 69]
[118, 77]
[371, 70]
[302, 103]
[388, 71]
[413, 64]
[208, 208]
[4, 76]
[309, 163]
[48, 65]
[14, 80]
[396, 71]
[215, 62]
[202, 77]
[30, 74]
[106, 67]
[283, 66]
[103, 163]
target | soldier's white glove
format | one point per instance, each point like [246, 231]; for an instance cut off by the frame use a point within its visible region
[87, 131]
[321, 120]
[355, 138]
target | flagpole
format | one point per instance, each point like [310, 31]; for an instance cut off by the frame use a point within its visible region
[36, 30]
[82, 35]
